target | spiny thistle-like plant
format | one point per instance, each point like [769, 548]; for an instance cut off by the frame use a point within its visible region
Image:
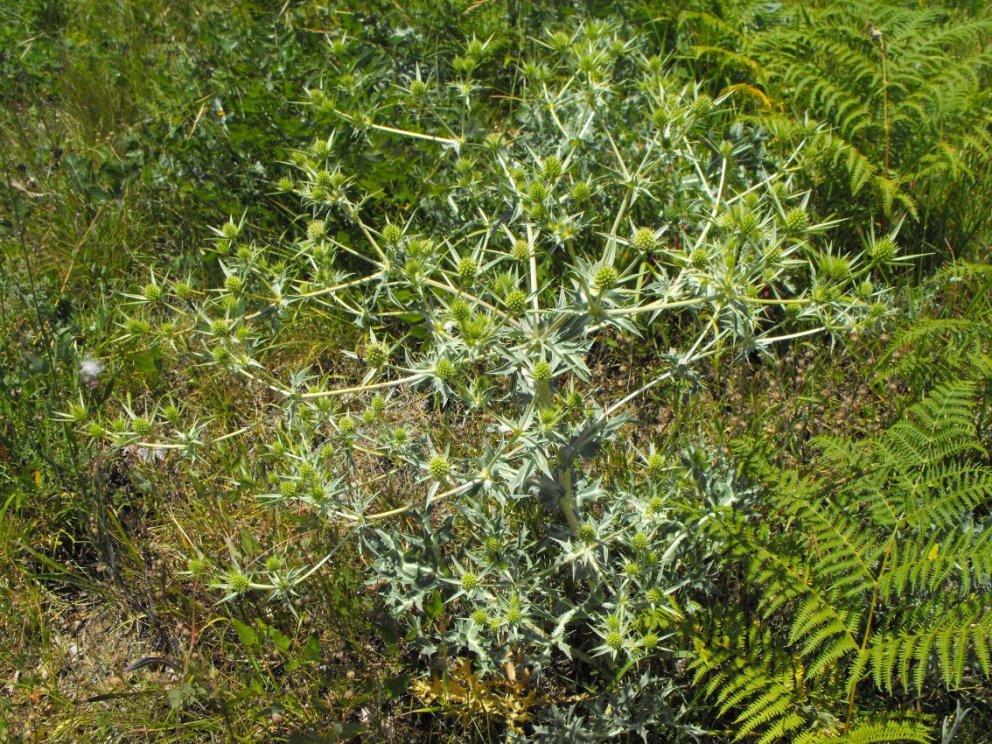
[880, 582]
[613, 201]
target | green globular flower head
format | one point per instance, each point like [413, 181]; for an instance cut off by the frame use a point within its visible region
[655, 465]
[520, 250]
[587, 532]
[516, 302]
[467, 268]
[141, 426]
[537, 191]
[460, 310]
[238, 581]
[230, 230]
[836, 268]
[234, 283]
[644, 240]
[152, 292]
[552, 167]
[470, 581]
[316, 230]
[273, 563]
[542, 371]
[639, 542]
[392, 234]
[137, 326]
[376, 354]
[883, 250]
[220, 327]
[445, 369]
[581, 192]
[605, 278]
[183, 290]
[795, 221]
[493, 546]
[439, 467]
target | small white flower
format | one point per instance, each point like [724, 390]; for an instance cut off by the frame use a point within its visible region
[90, 368]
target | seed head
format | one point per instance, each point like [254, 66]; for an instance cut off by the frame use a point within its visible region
[90, 369]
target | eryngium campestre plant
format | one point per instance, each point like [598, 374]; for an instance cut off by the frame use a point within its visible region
[610, 201]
